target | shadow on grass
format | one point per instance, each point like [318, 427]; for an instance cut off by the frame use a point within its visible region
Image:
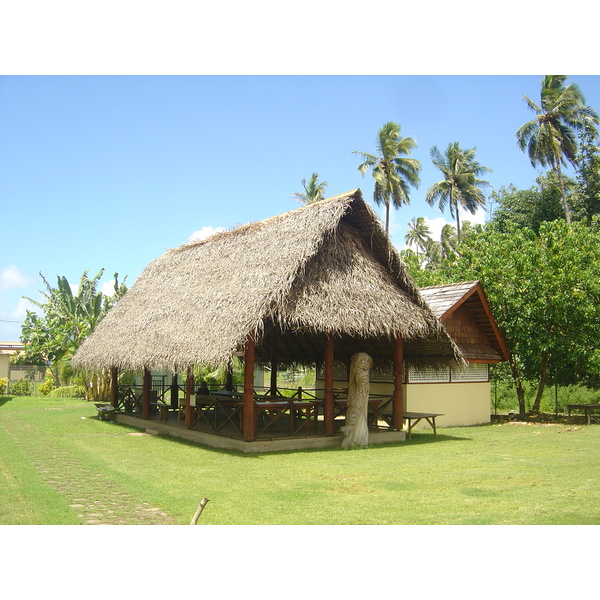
[427, 438]
[5, 399]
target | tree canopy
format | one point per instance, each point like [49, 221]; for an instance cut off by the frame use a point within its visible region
[544, 291]
[393, 171]
[66, 319]
[550, 138]
[313, 190]
[460, 186]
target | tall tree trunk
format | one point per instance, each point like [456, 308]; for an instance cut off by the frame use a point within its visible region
[514, 369]
[454, 201]
[542, 384]
[563, 193]
[387, 217]
[55, 370]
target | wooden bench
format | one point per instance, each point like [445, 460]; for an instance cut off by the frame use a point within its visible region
[586, 408]
[414, 417]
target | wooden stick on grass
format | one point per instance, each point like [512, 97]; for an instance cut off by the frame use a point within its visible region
[199, 511]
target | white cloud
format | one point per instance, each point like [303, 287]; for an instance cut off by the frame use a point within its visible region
[477, 219]
[204, 233]
[108, 288]
[24, 305]
[11, 278]
[436, 226]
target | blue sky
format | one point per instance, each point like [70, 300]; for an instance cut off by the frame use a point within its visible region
[112, 171]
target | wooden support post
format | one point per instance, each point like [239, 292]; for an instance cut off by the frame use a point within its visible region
[175, 392]
[189, 390]
[273, 388]
[398, 399]
[114, 390]
[249, 415]
[229, 377]
[328, 391]
[146, 385]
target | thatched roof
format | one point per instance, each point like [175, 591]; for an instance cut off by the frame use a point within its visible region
[324, 267]
[447, 300]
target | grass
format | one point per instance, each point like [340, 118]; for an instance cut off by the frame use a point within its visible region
[496, 474]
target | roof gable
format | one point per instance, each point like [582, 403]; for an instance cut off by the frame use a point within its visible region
[450, 303]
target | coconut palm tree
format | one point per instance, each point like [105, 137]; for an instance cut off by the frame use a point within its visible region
[434, 254]
[448, 239]
[550, 138]
[313, 190]
[460, 186]
[418, 233]
[392, 170]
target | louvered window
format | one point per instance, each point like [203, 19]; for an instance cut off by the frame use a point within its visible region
[429, 375]
[471, 373]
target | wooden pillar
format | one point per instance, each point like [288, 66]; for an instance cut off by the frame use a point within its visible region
[114, 390]
[328, 391]
[175, 392]
[229, 377]
[249, 418]
[146, 385]
[273, 389]
[398, 398]
[189, 390]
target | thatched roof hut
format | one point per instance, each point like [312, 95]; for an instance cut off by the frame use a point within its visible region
[327, 267]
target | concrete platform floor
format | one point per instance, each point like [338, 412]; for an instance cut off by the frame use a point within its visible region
[274, 444]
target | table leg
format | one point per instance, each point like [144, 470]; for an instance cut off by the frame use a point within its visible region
[432, 423]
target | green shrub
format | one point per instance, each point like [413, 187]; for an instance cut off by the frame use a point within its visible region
[22, 387]
[3, 385]
[47, 386]
[68, 391]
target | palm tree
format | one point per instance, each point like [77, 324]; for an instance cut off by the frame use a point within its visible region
[448, 239]
[313, 190]
[434, 254]
[460, 186]
[550, 138]
[392, 170]
[418, 233]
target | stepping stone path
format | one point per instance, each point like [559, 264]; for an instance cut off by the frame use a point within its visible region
[96, 499]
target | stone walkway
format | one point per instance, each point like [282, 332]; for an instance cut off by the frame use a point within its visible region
[95, 498]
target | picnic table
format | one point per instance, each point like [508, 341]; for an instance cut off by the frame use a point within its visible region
[586, 408]
[227, 407]
[272, 410]
[414, 417]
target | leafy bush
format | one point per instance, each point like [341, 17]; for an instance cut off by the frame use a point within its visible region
[68, 391]
[3, 385]
[504, 397]
[46, 387]
[22, 387]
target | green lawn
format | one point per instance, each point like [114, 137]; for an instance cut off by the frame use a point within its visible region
[56, 456]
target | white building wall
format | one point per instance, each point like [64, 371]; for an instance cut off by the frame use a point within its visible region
[461, 404]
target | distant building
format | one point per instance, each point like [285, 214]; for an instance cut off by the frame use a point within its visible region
[7, 349]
